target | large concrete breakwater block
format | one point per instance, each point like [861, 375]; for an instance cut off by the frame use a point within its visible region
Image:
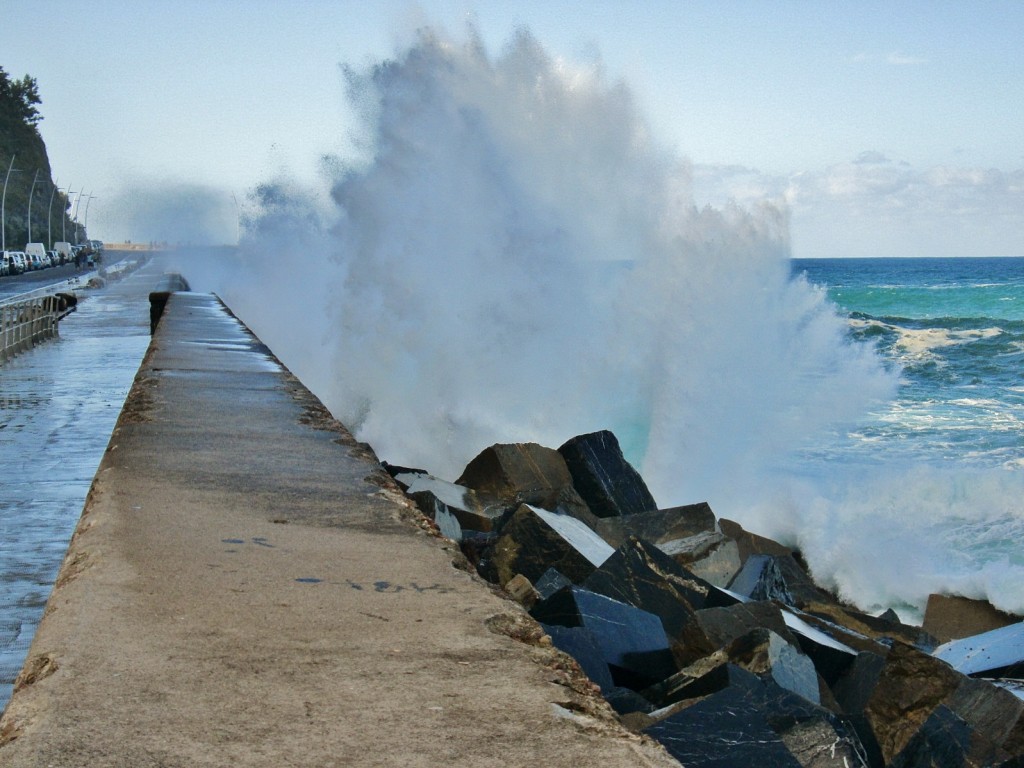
[717, 641]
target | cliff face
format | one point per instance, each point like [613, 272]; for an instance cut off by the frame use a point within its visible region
[20, 139]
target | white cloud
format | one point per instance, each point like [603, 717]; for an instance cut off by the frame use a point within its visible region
[895, 58]
[874, 206]
[903, 60]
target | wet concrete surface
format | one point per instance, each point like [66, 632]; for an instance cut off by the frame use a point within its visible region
[58, 405]
[247, 586]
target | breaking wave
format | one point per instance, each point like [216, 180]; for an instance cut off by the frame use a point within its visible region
[515, 257]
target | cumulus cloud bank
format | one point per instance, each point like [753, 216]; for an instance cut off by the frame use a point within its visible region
[876, 206]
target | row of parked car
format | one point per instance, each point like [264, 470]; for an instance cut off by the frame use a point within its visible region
[36, 256]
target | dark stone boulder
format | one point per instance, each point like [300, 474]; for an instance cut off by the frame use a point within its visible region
[996, 653]
[739, 719]
[534, 540]
[632, 642]
[950, 617]
[397, 469]
[441, 500]
[799, 581]
[550, 582]
[751, 543]
[714, 628]
[760, 652]
[641, 575]
[891, 700]
[761, 579]
[881, 629]
[709, 554]
[604, 479]
[658, 525]
[524, 473]
[818, 743]
[946, 740]
[825, 644]
[581, 643]
[723, 730]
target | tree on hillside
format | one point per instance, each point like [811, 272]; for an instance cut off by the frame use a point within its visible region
[20, 97]
[20, 139]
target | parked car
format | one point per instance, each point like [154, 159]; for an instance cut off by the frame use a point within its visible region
[20, 262]
[5, 264]
[54, 258]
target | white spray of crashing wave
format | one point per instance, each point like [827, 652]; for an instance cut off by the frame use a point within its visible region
[525, 263]
[517, 259]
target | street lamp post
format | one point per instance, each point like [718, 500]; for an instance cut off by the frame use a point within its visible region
[3, 208]
[31, 193]
[74, 216]
[64, 216]
[85, 221]
[49, 219]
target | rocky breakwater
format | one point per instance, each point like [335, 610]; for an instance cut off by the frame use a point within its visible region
[716, 641]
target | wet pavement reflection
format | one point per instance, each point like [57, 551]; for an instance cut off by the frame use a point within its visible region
[58, 405]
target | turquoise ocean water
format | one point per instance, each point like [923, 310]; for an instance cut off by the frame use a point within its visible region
[936, 476]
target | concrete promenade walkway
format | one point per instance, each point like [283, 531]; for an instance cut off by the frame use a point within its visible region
[246, 587]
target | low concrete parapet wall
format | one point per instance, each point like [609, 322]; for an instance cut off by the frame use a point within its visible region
[171, 282]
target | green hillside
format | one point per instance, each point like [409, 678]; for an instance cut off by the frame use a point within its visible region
[20, 139]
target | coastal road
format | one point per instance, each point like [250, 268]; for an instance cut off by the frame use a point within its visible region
[12, 285]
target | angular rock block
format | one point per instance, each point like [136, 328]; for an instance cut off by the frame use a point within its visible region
[996, 653]
[581, 643]
[710, 555]
[831, 656]
[640, 575]
[883, 629]
[751, 543]
[949, 617]
[741, 720]
[891, 702]
[817, 743]
[799, 582]
[945, 739]
[626, 701]
[524, 473]
[768, 656]
[714, 628]
[550, 582]
[439, 512]
[760, 652]
[435, 497]
[534, 540]
[522, 591]
[602, 476]
[633, 643]
[761, 579]
[658, 525]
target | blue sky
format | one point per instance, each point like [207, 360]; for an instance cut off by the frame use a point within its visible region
[892, 128]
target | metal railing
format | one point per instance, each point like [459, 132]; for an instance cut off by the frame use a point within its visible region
[24, 322]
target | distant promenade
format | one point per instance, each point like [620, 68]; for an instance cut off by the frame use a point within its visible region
[247, 587]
